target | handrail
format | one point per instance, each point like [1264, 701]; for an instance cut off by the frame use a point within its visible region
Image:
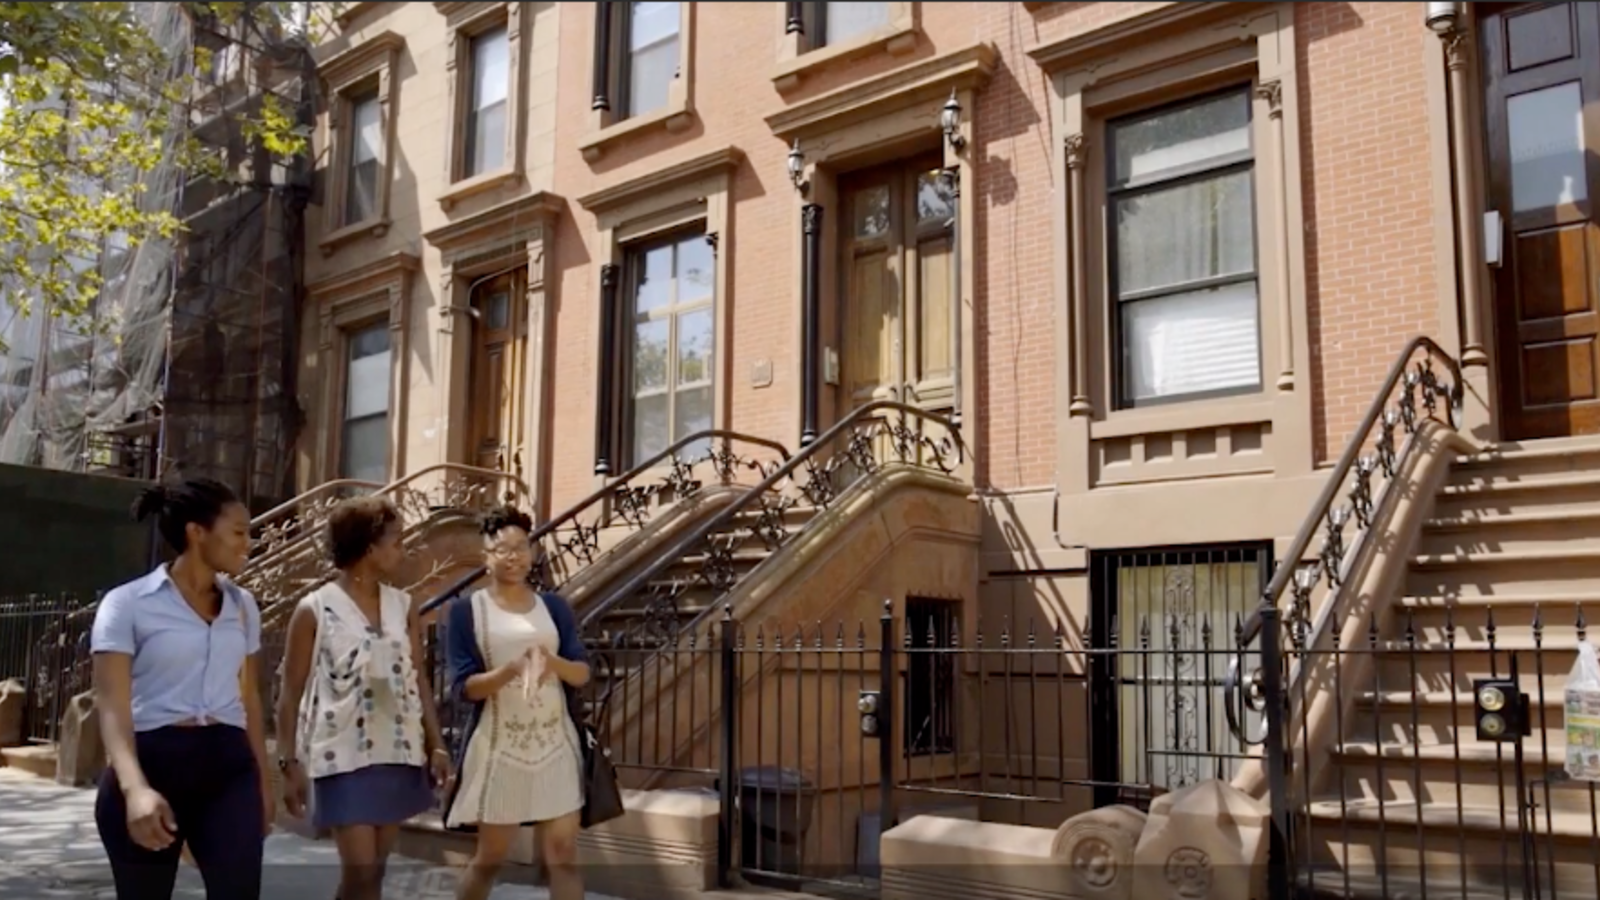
[1400, 370]
[681, 547]
[606, 491]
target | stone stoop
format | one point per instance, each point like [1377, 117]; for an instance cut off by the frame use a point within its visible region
[1514, 529]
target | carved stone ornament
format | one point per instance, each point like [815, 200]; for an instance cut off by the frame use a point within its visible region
[1189, 873]
[1077, 150]
[1455, 49]
[811, 218]
[1272, 92]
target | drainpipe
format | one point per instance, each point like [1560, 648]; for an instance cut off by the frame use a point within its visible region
[605, 388]
[811, 316]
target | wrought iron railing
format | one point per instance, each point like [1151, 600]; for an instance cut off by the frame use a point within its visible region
[44, 644]
[570, 541]
[1293, 614]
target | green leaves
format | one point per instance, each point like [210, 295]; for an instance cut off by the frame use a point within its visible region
[94, 111]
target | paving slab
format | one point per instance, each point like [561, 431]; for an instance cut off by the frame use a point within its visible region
[49, 849]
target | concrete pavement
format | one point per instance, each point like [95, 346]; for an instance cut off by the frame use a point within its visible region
[49, 849]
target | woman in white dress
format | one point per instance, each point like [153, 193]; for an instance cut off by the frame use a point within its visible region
[515, 656]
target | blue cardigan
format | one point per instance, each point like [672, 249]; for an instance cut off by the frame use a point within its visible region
[464, 660]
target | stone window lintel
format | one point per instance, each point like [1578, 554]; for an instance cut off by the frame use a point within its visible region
[897, 37]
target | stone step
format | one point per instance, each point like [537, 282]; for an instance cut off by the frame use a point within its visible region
[1440, 717]
[36, 759]
[1480, 531]
[1485, 572]
[1473, 847]
[1477, 773]
[1493, 494]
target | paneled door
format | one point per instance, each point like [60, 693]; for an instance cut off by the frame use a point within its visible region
[1541, 65]
[896, 285]
[492, 402]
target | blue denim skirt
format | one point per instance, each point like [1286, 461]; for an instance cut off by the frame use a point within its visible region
[375, 795]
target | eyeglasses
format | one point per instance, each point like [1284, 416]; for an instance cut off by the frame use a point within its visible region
[512, 552]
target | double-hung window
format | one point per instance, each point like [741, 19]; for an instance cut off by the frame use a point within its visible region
[1181, 229]
[671, 290]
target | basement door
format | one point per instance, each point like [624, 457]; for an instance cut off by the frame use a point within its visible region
[1161, 633]
[1541, 65]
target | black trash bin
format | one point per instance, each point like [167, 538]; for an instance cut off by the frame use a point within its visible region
[775, 808]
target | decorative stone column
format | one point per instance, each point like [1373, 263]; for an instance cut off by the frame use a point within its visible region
[1469, 218]
[1272, 93]
[1077, 154]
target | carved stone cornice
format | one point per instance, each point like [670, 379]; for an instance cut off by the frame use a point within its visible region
[722, 161]
[925, 81]
[497, 226]
[367, 278]
[362, 59]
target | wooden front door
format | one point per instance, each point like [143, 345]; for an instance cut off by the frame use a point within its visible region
[1541, 67]
[897, 288]
[491, 404]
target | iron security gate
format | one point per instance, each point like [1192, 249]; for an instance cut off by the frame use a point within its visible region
[1162, 628]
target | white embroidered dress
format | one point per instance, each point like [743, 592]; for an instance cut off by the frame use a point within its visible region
[363, 708]
[523, 763]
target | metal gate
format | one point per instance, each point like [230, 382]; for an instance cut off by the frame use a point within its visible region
[1162, 628]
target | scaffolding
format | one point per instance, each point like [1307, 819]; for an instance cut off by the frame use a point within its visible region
[188, 364]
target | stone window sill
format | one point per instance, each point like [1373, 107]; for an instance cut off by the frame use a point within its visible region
[1183, 417]
[332, 241]
[477, 184]
[893, 39]
[675, 118]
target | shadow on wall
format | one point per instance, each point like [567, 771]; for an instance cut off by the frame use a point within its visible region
[68, 531]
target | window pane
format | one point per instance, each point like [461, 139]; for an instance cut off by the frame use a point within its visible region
[652, 55]
[693, 412]
[1181, 138]
[650, 426]
[366, 130]
[695, 343]
[365, 449]
[1197, 230]
[488, 139]
[367, 375]
[1547, 147]
[650, 355]
[696, 275]
[497, 312]
[935, 201]
[872, 211]
[653, 269]
[491, 68]
[1191, 343]
[361, 203]
[849, 20]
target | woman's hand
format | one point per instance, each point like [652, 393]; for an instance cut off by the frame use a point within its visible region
[547, 664]
[151, 824]
[439, 766]
[296, 789]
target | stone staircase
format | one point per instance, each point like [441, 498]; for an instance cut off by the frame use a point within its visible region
[1417, 806]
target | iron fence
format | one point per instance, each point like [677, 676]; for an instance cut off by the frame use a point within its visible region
[44, 644]
[818, 738]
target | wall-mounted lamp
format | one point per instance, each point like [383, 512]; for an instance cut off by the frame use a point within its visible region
[950, 120]
[797, 168]
[1443, 18]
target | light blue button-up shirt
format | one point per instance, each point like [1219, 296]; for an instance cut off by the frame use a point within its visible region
[183, 669]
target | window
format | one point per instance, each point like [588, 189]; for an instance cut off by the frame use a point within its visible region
[1181, 228]
[671, 286]
[930, 677]
[650, 61]
[487, 106]
[832, 24]
[364, 448]
[366, 163]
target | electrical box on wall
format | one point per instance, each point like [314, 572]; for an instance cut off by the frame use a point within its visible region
[830, 367]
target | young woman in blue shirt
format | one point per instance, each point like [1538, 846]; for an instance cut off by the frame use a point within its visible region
[175, 680]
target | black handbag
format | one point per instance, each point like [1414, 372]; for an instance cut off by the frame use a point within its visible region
[602, 797]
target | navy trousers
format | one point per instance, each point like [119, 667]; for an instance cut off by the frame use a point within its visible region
[210, 779]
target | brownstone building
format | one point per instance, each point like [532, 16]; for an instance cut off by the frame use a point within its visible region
[1150, 261]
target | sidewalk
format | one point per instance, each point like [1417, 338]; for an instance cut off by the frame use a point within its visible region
[49, 849]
